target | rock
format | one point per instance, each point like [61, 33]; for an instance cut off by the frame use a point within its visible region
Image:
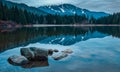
[27, 53]
[50, 52]
[59, 56]
[34, 54]
[39, 51]
[41, 54]
[67, 51]
[33, 64]
[18, 60]
[55, 50]
[62, 54]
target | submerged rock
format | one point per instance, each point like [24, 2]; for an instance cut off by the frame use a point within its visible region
[59, 56]
[68, 51]
[62, 54]
[18, 60]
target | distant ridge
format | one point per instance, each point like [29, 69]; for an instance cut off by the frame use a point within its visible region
[68, 9]
[63, 9]
[24, 6]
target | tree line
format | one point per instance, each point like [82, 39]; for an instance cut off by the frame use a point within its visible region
[21, 16]
[111, 19]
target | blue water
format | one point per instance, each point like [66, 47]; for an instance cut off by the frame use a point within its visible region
[92, 52]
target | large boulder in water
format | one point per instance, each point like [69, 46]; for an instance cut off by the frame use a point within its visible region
[18, 60]
[40, 53]
[27, 53]
[34, 53]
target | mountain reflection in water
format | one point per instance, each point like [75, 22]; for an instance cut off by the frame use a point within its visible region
[24, 36]
[95, 49]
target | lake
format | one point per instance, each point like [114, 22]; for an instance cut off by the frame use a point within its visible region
[95, 48]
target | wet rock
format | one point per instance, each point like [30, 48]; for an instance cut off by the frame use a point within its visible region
[67, 51]
[55, 50]
[33, 64]
[27, 53]
[39, 51]
[59, 56]
[34, 53]
[62, 54]
[50, 52]
[18, 60]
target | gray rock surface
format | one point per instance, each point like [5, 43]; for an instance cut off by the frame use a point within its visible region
[39, 51]
[18, 60]
[62, 54]
[27, 53]
[67, 51]
[33, 53]
[59, 56]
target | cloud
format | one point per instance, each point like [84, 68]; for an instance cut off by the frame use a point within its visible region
[109, 6]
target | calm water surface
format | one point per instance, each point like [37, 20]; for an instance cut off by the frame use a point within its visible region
[95, 49]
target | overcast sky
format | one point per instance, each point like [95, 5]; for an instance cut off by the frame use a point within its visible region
[109, 6]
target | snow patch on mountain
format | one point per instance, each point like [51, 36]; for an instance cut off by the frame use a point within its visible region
[62, 10]
[83, 12]
[74, 12]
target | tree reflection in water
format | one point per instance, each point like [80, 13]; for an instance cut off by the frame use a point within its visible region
[24, 36]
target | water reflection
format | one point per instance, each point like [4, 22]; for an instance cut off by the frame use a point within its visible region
[36, 64]
[24, 36]
[33, 64]
[96, 49]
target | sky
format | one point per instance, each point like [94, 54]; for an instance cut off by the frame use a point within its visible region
[108, 6]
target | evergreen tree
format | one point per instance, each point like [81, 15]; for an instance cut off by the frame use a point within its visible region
[1, 10]
[21, 16]
[111, 19]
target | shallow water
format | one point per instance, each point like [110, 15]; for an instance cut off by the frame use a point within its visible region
[94, 50]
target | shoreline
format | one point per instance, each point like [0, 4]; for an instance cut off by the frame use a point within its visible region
[67, 25]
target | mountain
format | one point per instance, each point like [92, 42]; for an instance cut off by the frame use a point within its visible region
[68, 9]
[63, 9]
[71, 39]
[24, 7]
